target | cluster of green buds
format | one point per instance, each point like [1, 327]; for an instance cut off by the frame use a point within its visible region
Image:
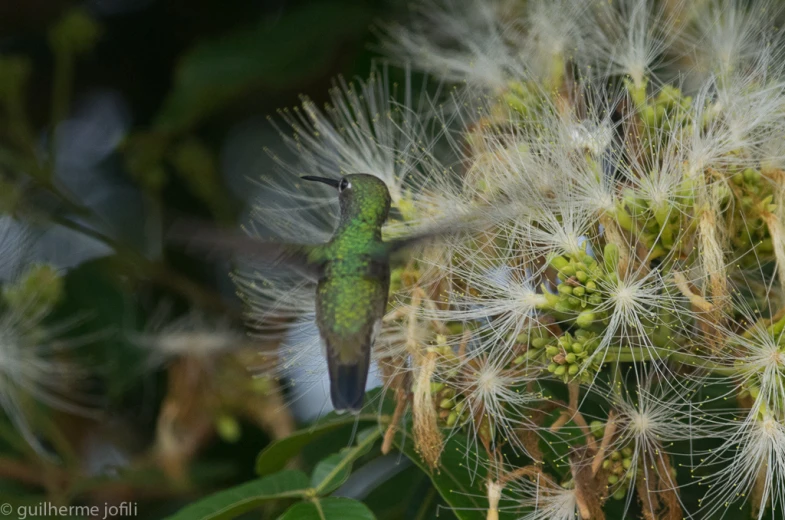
[617, 464]
[580, 275]
[452, 409]
[567, 356]
[669, 109]
[749, 230]
[449, 405]
[658, 225]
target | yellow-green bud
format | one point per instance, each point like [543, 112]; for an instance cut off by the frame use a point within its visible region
[585, 319]
[597, 428]
[751, 175]
[228, 428]
[539, 342]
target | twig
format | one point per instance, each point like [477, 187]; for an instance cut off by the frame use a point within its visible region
[610, 430]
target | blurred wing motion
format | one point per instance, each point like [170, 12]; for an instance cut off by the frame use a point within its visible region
[466, 224]
[206, 238]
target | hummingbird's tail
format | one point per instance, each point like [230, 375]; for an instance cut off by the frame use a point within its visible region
[347, 384]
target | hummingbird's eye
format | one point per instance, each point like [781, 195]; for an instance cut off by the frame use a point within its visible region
[344, 185]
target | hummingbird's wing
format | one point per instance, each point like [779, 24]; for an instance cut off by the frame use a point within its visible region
[436, 232]
[306, 259]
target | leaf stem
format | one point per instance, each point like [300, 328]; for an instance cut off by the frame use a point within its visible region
[632, 355]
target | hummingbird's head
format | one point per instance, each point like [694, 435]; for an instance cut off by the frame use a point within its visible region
[362, 197]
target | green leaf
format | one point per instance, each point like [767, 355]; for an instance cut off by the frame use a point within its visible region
[240, 499]
[329, 509]
[275, 456]
[333, 471]
[459, 479]
[334, 468]
[219, 71]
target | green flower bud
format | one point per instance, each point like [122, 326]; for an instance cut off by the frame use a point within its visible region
[568, 270]
[552, 367]
[597, 428]
[577, 348]
[552, 351]
[558, 262]
[619, 494]
[751, 175]
[613, 479]
[560, 370]
[606, 464]
[565, 289]
[539, 342]
[436, 387]
[452, 418]
[582, 276]
[228, 428]
[570, 358]
[447, 404]
[591, 287]
[578, 291]
[585, 319]
[626, 463]
[574, 369]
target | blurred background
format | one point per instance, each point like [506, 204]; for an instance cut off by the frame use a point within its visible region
[125, 367]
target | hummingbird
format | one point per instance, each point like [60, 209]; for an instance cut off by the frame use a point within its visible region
[352, 292]
[352, 271]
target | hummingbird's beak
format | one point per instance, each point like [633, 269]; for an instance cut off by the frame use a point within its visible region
[332, 182]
